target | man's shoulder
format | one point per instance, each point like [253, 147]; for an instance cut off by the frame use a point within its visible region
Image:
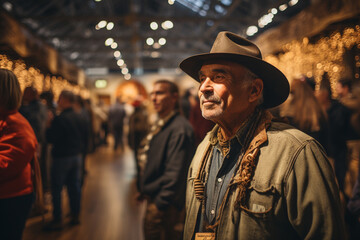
[279, 131]
[180, 122]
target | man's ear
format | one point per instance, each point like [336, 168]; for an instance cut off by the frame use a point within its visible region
[256, 90]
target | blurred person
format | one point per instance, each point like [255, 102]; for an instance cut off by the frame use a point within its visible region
[103, 111]
[338, 118]
[348, 96]
[17, 150]
[65, 133]
[92, 134]
[252, 177]
[138, 127]
[164, 157]
[79, 107]
[34, 111]
[99, 117]
[47, 98]
[305, 112]
[185, 103]
[116, 118]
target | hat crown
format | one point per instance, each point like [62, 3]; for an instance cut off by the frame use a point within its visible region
[227, 42]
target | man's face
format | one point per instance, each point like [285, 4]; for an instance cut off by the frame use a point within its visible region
[63, 103]
[341, 90]
[163, 100]
[223, 93]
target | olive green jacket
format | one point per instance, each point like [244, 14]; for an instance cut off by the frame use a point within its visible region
[293, 194]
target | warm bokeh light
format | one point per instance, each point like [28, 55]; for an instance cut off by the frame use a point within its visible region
[30, 76]
[102, 24]
[154, 25]
[167, 25]
[114, 45]
[149, 41]
[120, 62]
[117, 54]
[162, 41]
[109, 41]
[326, 55]
[110, 26]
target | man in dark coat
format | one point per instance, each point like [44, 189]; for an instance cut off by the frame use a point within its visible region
[66, 133]
[164, 158]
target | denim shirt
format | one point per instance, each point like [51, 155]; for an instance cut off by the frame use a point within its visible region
[220, 173]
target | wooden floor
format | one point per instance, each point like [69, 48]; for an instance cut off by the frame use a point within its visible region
[109, 210]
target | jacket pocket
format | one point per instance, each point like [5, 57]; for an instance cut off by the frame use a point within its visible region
[260, 201]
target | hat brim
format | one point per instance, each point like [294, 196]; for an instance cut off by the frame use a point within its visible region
[276, 86]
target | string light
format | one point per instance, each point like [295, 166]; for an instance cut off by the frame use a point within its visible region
[326, 55]
[30, 76]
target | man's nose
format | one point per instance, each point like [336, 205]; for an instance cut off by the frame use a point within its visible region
[206, 86]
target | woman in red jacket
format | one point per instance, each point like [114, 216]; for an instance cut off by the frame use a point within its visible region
[17, 148]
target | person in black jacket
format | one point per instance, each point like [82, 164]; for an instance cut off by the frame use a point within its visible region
[164, 157]
[65, 133]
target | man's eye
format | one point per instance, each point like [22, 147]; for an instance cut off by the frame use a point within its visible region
[219, 76]
[202, 78]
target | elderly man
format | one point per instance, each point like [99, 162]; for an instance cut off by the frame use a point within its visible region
[164, 158]
[251, 177]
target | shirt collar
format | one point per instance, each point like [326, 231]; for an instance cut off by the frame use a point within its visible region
[240, 134]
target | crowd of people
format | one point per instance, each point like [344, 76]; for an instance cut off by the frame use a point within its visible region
[259, 159]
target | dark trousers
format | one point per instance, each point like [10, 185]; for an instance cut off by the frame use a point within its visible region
[13, 214]
[161, 225]
[66, 171]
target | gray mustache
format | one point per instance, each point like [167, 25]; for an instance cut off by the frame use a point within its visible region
[211, 98]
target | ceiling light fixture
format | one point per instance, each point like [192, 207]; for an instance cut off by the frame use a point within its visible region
[162, 41]
[102, 24]
[149, 41]
[283, 7]
[274, 11]
[154, 25]
[293, 2]
[110, 26]
[167, 25]
[117, 54]
[127, 76]
[120, 62]
[251, 30]
[109, 41]
[114, 45]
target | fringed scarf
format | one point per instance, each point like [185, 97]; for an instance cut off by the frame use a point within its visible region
[246, 163]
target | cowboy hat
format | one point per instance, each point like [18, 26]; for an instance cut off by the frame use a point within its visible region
[231, 47]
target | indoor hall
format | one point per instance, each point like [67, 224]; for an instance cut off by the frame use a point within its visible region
[109, 210]
[109, 61]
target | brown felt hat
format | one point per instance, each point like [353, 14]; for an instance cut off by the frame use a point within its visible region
[231, 47]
